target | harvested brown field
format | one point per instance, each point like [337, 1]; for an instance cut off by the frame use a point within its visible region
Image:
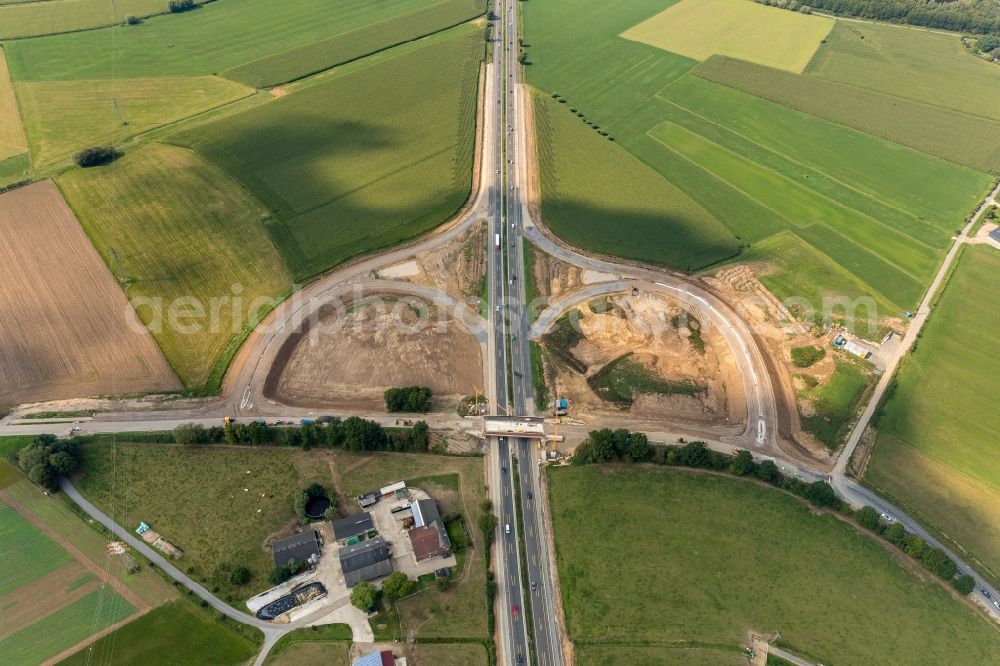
[349, 357]
[66, 328]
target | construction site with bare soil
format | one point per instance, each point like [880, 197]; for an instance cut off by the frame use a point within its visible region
[818, 383]
[641, 354]
[347, 357]
[456, 268]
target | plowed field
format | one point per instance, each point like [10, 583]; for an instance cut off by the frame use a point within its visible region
[64, 322]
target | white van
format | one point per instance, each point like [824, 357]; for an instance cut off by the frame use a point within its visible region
[506, 528]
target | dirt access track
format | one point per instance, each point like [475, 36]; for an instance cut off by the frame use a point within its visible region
[66, 327]
[348, 355]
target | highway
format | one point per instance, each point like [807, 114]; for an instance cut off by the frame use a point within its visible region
[514, 637]
[545, 630]
[500, 197]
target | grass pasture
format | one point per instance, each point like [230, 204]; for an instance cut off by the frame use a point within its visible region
[936, 451]
[110, 111]
[27, 18]
[835, 403]
[605, 655]
[64, 628]
[201, 505]
[812, 285]
[326, 53]
[598, 196]
[12, 139]
[149, 587]
[189, 44]
[961, 138]
[700, 574]
[153, 638]
[925, 65]
[172, 226]
[362, 159]
[701, 28]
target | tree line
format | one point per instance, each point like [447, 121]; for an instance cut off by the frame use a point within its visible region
[602, 446]
[977, 16]
[351, 434]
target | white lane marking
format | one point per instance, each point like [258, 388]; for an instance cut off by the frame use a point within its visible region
[245, 402]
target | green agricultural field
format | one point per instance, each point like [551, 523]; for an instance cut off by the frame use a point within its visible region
[201, 506]
[834, 404]
[599, 197]
[325, 53]
[914, 193]
[313, 653]
[925, 65]
[745, 165]
[12, 139]
[12, 443]
[875, 253]
[815, 289]
[688, 568]
[45, 17]
[958, 137]
[191, 43]
[26, 552]
[936, 451]
[171, 226]
[64, 628]
[701, 28]
[153, 638]
[359, 160]
[110, 111]
[93, 544]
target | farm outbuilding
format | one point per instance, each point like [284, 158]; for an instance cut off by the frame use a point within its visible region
[367, 560]
[352, 526]
[301, 547]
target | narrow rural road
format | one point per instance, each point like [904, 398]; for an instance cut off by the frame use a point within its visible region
[856, 494]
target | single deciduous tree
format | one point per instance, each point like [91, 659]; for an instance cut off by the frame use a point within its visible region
[363, 596]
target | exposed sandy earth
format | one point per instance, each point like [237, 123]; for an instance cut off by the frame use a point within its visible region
[645, 325]
[455, 268]
[555, 277]
[349, 358]
[778, 331]
[66, 327]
